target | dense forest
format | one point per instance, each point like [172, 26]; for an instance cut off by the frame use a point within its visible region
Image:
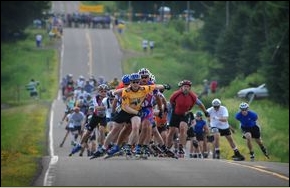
[245, 37]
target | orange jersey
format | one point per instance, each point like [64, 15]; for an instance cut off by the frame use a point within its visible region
[121, 85]
[160, 122]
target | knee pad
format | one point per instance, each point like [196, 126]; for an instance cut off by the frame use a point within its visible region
[195, 143]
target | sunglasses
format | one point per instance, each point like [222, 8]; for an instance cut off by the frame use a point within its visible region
[216, 106]
[102, 91]
[135, 82]
[244, 109]
[144, 77]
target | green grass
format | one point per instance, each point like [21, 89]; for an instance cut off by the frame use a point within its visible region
[23, 143]
[24, 122]
[23, 61]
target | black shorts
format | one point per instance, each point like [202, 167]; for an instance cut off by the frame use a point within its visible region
[190, 133]
[225, 132]
[95, 121]
[123, 117]
[199, 137]
[161, 129]
[255, 131]
[33, 93]
[176, 119]
[210, 138]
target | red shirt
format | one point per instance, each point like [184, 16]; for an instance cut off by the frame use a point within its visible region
[182, 102]
[121, 85]
[213, 85]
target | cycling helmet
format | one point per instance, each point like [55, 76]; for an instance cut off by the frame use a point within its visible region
[135, 76]
[152, 78]
[179, 84]
[144, 72]
[216, 102]
[185, 82]
[244, 105]
[91, 108]
[199, 114]
[126, 79]
[103, 87]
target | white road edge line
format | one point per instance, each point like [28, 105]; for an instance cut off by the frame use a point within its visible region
[48, 179]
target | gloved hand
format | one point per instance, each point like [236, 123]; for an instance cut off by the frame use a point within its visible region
[140, 113]
[160, 114]
[155, 91]
[206, 114]
[165, 110]
[167, 86]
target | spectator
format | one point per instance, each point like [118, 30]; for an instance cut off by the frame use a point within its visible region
[32, 87]
[151, 45]
[205, 88]
[38, 40]
[213, 86]
[121, 27]
[145, 45]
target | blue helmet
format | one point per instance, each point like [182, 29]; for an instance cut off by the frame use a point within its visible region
[126, 79]
[135, 76]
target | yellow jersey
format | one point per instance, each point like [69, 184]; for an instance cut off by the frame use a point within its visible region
[135, 98]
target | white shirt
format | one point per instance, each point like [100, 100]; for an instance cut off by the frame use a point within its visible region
[145, 43]
[38, 37]
[108, 109]
[221, 112]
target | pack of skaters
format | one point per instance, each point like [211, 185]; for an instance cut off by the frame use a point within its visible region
[131, 113]
[98, 120]
[115, 130]
[148, 128]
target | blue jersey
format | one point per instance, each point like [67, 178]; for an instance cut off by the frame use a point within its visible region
[198, 128]
[248, 120]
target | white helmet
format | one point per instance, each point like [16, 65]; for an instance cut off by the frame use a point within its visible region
[244, 105]
[216, 102]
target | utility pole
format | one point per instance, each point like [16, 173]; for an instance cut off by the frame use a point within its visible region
[188, 16]
[129, 11]
[227, 13]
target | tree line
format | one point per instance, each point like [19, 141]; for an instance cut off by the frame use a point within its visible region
[250, 37]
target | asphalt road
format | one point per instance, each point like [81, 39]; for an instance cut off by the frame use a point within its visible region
[96, 51]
